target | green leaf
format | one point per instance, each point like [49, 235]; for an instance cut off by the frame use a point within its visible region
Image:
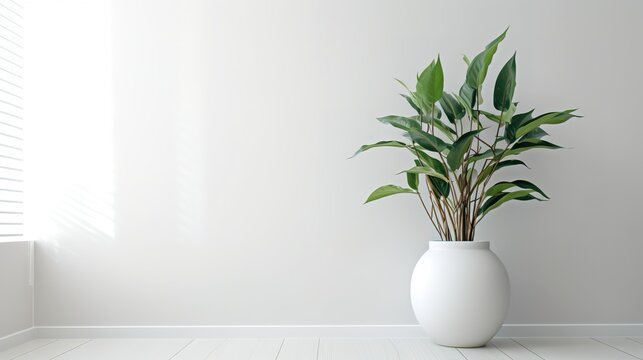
[428, 141]
[452, 108]
[444, 128]
[545, 119]
[516, 121]
[404, 85]
[483, 155]
[426, 170]
[387, 190]
[468, 94]
[466, 59]
[400, 122]
[429, 161]
[479, 66]
[524, 184]
[503, 92]
[412, 103]
[493, 117]
[437, 113]
[504, 185]
[464, 104]
[511, 162]
[489, 170]
[460, 148]
[502, 198]
[431, 83]
[536, 133]
[497, 40]
[508, 114]
[413, 180]
[530, 144]
[416, 151]
[441, 187]
[519, 119]
[391, 143]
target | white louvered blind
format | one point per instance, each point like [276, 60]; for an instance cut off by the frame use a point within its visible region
[11, 120]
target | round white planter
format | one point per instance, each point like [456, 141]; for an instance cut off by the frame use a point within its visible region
[460, 293]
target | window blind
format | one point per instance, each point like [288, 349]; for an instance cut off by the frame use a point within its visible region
[11, 120]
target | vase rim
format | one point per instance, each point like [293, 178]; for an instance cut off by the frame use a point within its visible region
[439, 244]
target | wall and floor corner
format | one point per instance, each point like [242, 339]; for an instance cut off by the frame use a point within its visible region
[16, 290]
[191, 168]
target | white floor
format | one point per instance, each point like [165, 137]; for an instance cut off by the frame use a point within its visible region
[614, 348]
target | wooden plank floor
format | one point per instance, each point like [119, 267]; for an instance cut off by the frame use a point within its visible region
[603, 348]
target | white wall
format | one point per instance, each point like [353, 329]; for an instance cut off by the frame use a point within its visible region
[16, 300]
[195, 171]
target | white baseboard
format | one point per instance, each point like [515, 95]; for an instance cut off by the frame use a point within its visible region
[229, 331]
[16, 338]
[508, 330]
[570, 330]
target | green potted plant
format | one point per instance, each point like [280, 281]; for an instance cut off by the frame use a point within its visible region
[459, 288]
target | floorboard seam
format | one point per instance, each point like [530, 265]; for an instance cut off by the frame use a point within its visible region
[528, 349]
[280, 347]
[615, 348]
[462, 354]
[74, 348]
[34, 349]
[499, 349]
[397, 351]
[181, 349]
[368, 348]
[633, 339]
[215, 348]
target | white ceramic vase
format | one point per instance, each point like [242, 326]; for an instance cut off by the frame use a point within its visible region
[460, 293]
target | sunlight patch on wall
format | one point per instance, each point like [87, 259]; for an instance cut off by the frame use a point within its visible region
[69, 142]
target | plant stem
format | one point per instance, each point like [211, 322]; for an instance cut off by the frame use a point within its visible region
[451, 184]
[444, 233]
[429, 214]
